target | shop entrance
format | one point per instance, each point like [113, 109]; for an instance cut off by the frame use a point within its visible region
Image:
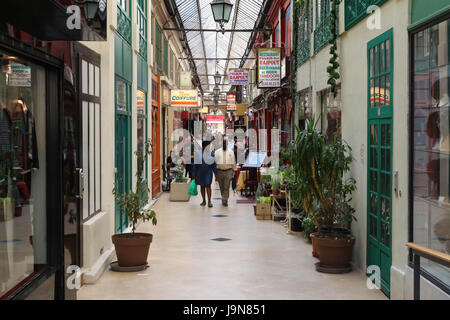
[379, 163]
[122, 149]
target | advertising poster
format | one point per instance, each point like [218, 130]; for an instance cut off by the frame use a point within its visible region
[269, 68]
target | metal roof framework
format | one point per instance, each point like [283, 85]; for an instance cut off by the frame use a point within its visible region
[197, 14]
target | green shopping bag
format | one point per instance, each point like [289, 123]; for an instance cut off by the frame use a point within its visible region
[193, 188]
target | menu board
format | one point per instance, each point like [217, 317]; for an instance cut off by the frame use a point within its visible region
[269, 68]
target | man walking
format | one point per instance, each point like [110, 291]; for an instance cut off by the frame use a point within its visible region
[226, 166]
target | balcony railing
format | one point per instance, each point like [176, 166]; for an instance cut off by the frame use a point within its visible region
[303, 51]
[356, 10]
[322, 33]
[420, 251]
[123, 24]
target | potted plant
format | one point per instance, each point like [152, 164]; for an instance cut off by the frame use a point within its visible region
[179, 189]
[275, 184]
[322, 165]
[132, 248]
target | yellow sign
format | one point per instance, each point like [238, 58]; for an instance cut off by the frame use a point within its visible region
[241, 109]
[184, 98]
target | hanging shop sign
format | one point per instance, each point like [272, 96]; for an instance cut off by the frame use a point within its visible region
[184, 98]
[231, 102]
[238, 77]
[185, 79]
[212, 118]
[269, 68]
[19, 76]
[241, 109]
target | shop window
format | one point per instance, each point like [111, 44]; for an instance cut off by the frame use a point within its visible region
[430, 210]
[23, 172]
[330, 109]
[142, 27]
[141, 132]
[91, 149]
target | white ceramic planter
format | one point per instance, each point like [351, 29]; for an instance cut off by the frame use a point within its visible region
[179, 191]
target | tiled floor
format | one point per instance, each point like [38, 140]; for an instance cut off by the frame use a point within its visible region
[260, 261]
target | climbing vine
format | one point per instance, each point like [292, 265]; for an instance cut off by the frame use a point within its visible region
[333, 74]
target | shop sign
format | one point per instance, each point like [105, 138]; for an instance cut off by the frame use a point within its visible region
[269, 68]
[185, 79]
[19, 76]
[238, 77]
[231, 102]
[241, 109]
[184, 98]
[212, 118]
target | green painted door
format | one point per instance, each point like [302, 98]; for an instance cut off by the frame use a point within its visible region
[380, 152]
[122, 148]
[380, 199]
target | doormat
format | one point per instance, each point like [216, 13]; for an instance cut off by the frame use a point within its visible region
[248, 201]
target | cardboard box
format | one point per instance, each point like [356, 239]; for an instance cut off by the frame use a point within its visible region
[263, 211]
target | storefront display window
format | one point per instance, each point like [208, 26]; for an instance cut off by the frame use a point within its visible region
[141, 131]
[331, 114]
[431, 144]
[23, 214]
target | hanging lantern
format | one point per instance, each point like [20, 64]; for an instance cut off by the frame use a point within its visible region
[221, 10]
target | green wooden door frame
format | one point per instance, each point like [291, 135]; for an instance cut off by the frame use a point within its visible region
[380, 152]
[123, 152]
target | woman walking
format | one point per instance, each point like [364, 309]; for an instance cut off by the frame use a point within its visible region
[204, 167]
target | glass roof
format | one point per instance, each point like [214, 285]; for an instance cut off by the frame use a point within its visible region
[197, 14]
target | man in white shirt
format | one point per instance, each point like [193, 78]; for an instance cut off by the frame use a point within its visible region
[226, 166]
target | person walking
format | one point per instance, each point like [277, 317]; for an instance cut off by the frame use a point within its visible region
[226, 166]
[204, 167]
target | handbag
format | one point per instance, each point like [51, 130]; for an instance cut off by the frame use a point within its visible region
[193, 188]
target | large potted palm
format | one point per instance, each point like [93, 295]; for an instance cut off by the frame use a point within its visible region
[322, 166]
[132, 248]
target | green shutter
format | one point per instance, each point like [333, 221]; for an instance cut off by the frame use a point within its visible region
[166, 57]
[158, 48]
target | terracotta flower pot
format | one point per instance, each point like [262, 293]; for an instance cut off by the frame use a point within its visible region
[315, 248]
[132, 249]
[335, 252]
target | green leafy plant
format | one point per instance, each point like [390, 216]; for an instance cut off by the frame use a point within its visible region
[179, 174]
[132, 202]
[333, 74]
[320, 166]
[309, 227]
[276, 181]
